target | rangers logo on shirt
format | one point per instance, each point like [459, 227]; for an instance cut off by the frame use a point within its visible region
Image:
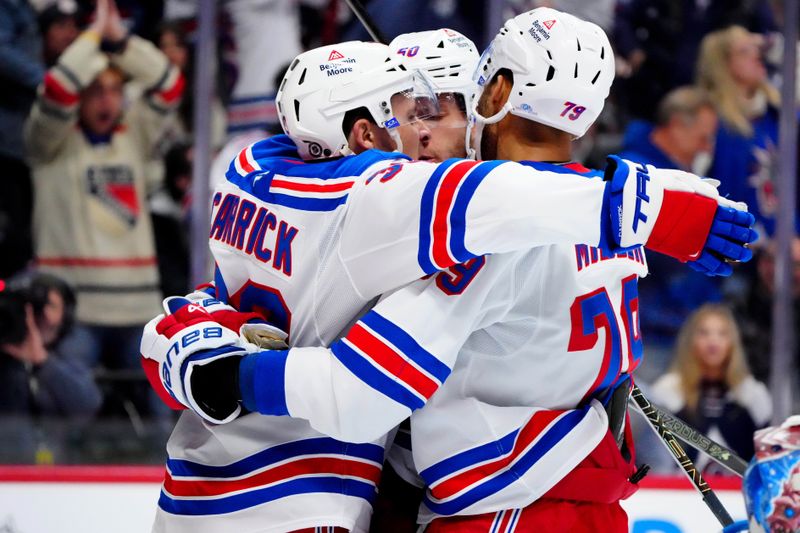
[113, 185]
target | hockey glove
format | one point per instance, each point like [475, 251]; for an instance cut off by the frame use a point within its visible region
[251, 326]
[678, 214]
[177, 345]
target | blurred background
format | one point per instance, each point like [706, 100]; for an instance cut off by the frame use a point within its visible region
[178, 87]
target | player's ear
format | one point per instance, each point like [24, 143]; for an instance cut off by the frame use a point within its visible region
[362, 136]
[497, 92]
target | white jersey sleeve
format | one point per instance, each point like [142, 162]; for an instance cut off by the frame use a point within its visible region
[389, 363]
[418, 217]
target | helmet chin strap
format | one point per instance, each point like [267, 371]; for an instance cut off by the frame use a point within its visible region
[397, 140]
[478, 121]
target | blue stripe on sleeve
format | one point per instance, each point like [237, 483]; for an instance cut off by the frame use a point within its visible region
[458, 215]
[373, 377]
[262, 382]
[247, 370]
[276, 454]
[406, 344]
[244, 500]
[497, 483]
[426, 215]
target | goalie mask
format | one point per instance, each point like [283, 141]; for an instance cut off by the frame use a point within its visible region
[563, 68]
[447, 57]
[323, 84]
[772, 480]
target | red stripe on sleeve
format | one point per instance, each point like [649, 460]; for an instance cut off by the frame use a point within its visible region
[56, 92]
[441, 223]
[98, 262]
[171, 94]
[245, 164]
[389, 360]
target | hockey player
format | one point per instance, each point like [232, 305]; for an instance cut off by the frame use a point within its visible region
[448, 59]
[267, 474]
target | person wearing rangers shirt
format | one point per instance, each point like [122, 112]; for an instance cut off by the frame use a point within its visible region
[312, 252]
[87, 151]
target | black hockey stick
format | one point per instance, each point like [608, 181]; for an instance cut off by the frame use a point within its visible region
[692, 437]
[366, 20]
[709, 497]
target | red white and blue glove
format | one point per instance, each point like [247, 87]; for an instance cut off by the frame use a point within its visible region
[250, 325]
[178, 346]
[678, 214]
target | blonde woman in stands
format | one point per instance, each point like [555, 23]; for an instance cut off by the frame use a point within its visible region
[731, 68]
[709, 384]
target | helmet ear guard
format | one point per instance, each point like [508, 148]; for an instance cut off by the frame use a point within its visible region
[562, 66]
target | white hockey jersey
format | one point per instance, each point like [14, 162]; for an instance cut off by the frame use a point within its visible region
[528, 342]
[309, 246]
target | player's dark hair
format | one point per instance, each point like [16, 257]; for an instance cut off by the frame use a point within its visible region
[353, 116]
[462, 105]
[506, 73]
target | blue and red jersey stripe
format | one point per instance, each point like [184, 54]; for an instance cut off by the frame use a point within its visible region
[389, 360]
[272, 171]
[473, 475]
[443, 212]
[312, 465]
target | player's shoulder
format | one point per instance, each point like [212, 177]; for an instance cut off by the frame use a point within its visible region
[272, 171]
[573, 168]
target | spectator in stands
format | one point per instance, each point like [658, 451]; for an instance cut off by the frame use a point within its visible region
[34, 381]
[88, 155]
[172, 41]
[58, 25]
[684, 131]
[659, 40]
[265, 35]
[21, 70]
[682, 136]
[709, 384]
[754, 308]
[731, 69]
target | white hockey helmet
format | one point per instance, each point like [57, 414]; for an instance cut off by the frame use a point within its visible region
[323, 84]
[563, 68]
[446, 56]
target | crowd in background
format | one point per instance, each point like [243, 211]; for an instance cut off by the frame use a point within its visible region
[96, 135]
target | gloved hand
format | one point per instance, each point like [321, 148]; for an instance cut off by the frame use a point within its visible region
[730, 232]
[251, 326]
[678, 214]
[179, 343]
